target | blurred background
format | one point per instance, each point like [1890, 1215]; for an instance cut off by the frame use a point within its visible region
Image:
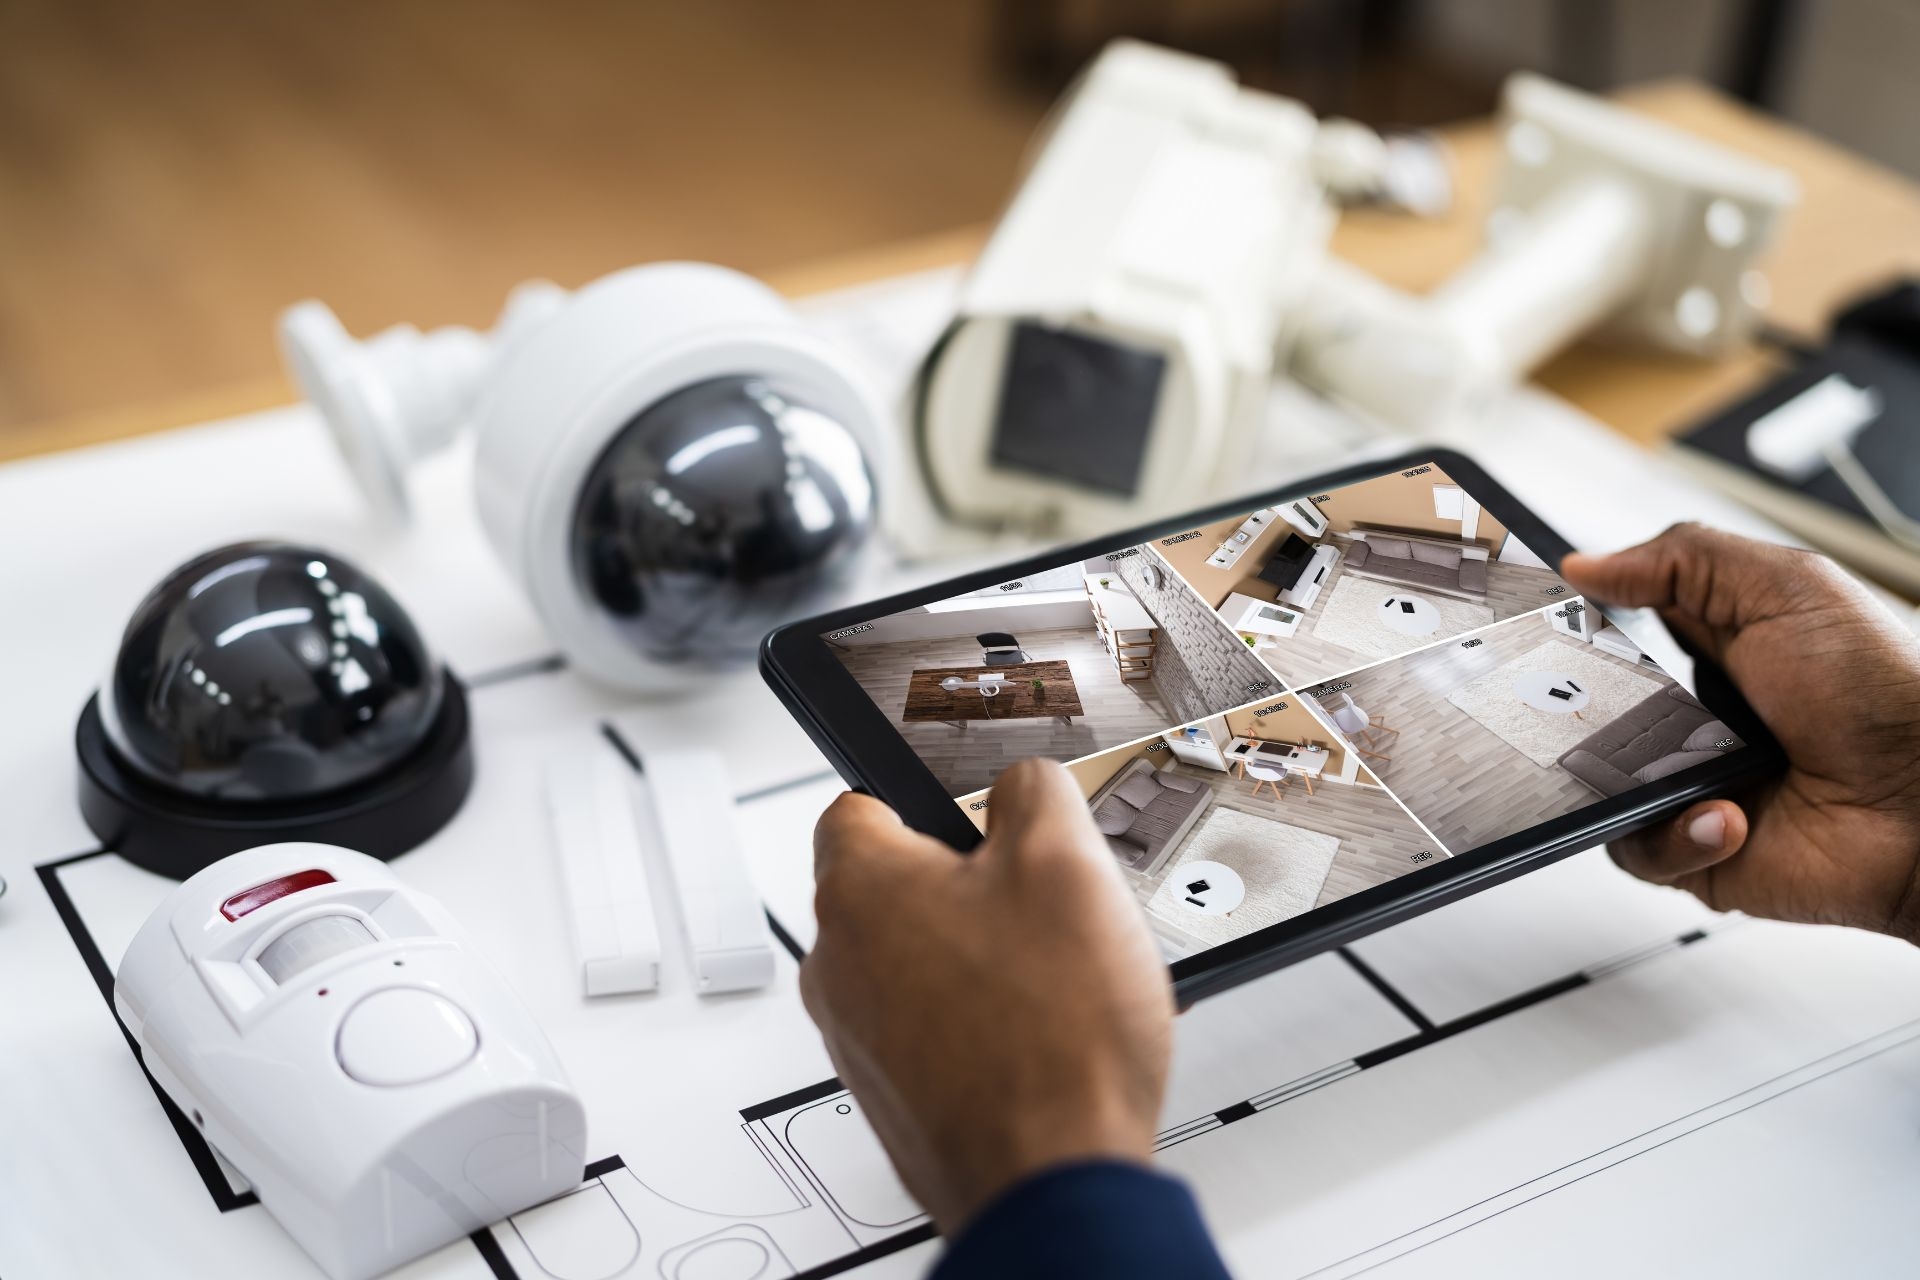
[173, 173]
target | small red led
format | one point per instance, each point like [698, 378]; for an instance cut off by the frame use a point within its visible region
[272, 891]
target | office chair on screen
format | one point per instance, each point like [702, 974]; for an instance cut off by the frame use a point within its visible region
[998, 649]
[1267, 776]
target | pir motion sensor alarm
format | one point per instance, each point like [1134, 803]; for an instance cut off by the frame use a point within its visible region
[331, 1033]
[668, 461]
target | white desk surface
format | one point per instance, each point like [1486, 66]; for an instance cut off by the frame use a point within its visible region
[1311, 761]
[1662, 1090]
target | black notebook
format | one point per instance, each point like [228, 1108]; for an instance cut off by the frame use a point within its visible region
[1868, 374]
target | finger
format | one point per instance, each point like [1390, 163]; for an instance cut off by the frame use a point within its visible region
[1704, 836]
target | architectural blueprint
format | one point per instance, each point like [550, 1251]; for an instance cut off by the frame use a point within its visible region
[1571, 1074]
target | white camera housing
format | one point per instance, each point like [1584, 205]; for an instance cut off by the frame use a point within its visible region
[551, 391]
[1166, 255]
[332, 1035]
[1168, 223]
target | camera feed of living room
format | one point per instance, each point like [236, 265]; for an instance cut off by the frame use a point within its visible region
[1529, 719]
[1061, 664]
[1322, 584]
[1242, 820]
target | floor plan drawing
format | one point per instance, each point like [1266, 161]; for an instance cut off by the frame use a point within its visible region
[1464, 1094]
[794, 1183]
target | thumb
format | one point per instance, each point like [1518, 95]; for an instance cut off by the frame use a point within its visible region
[1704, 836]
[1715, 580]
[857, 831]
[1037, 809]
[1677, 569]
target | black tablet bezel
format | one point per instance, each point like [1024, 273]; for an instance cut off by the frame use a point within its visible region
[862, 744]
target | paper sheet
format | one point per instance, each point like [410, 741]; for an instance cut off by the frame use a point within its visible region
[1573, 1074]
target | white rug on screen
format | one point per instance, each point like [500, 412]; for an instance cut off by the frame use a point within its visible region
[1544, 736]
[1282, 866]
[1351, 618]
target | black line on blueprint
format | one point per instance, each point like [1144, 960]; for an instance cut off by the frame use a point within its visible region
[760, 1144]
[1836, 1069]
[225, 1198]
[601, 1168]
[780, 932]
[489, 1245]
[1197, 1133]
[518, 671]
[493, 1255]
[1387, 989]
[1467, 1022]
[788, 1101]
[1238, 1111]
[785, 939]
[776, 788]
[77, 931]
[85, 855]
[840, 1214]
[1431, 1034]
[627, 753]
[869, 1253]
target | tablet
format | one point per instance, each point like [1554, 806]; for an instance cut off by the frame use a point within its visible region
[1294, 719]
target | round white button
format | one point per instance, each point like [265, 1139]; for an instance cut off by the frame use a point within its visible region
[404, 1036]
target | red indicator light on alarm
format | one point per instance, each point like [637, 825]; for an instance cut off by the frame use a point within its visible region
[272, 891]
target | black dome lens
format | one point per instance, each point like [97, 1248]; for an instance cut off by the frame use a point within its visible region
[271, 672]
[717, 513]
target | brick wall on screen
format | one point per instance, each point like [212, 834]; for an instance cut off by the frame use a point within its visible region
[1201, 668]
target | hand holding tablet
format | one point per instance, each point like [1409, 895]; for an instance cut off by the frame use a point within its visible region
[1837, 839]
[1509, 729]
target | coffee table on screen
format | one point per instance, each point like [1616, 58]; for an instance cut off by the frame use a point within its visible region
[1553, 692]
[1409, 614]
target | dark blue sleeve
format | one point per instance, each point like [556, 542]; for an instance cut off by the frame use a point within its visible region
[1103, 1219]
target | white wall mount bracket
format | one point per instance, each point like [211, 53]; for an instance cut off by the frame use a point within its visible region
[1604, 221]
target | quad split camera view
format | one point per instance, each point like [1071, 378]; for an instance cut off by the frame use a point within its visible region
[1274, 711]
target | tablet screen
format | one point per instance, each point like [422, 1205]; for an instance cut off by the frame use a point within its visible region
[1272, 711]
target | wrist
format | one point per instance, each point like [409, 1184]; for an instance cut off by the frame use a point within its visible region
[987, 1160]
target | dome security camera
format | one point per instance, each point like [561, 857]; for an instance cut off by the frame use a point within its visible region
[667, 460]
[267, 692]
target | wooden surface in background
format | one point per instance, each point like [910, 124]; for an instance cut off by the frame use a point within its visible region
[173, 174]
[165, 188]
